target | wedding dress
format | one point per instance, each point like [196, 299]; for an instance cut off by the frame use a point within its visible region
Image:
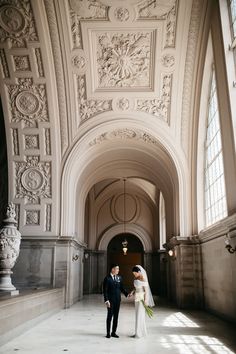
[142, 293]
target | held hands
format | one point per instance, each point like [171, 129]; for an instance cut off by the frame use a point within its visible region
[108, 304]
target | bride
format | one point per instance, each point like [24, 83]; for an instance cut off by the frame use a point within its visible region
[141, 292]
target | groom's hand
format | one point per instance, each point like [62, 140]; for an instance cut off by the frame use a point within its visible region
[108, 304]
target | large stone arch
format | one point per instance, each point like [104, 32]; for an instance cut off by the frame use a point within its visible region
[136, 230]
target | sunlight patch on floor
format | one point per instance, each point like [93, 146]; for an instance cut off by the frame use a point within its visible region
[179, 320]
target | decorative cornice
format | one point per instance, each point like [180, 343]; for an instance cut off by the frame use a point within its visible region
[189, 71]
[57, 57]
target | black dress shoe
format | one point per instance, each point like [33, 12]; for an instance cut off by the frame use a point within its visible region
[108, 336]
[114, 335]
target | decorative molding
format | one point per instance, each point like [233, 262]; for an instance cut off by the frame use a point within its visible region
[15, 141]
[171, 26]
[22, 62]
[125, 134]
[31, 141]
[47, 141]
[33, 179]
[60, 81]
[90, 108]
[48, 217]
[28, 102]
[189, 70]
[121, 14]
[3, 64]
[123, 104]
[17, 25]
[158, 107]
[124, 59]
[39, 61]
[32, 217]
[79, 62]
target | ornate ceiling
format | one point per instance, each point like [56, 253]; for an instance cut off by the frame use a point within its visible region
[68, 66]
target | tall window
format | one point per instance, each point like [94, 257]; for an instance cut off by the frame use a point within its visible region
[162, 211]
[215, 198]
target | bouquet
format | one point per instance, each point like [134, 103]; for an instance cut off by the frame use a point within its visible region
[148, 309]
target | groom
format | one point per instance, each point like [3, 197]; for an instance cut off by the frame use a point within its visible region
[112, 288]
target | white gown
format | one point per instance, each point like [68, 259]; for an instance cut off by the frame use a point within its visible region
[140, 320]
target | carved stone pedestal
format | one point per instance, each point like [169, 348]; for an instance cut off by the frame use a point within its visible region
[10, 239]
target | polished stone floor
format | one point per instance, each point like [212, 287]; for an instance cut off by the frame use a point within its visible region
[81, 329]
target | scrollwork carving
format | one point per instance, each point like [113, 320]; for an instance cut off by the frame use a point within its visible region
[158, 107]
[90, 108]
[123, 59]
[17, 24]
[22, 62]
[28, 102]
[33, 179]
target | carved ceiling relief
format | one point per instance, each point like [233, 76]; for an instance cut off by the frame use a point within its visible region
[26, 99]
[123, 60]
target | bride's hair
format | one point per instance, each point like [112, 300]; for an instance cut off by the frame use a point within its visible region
[136, 269]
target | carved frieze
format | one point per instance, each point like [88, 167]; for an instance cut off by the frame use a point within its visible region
[90, 107]
[28, 102]
[126, 134]
[17, 24]
[124, 59]
[22, 62]
[3, 64]
[158, 107]
[33, 179]
[31, 141]
[32, 217]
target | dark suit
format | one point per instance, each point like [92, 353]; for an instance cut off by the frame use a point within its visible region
[112, 292]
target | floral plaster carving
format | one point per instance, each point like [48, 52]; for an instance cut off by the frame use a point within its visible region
[122, 104]
[168, 60]
[123, 59]
[39, 62]
[125, 133]
[79, 62]
[22, 62]
[28, 102]
[3, 64]
[158, 107]
[90, 108]
[121, 14]
[17, 23]
[31, 141]
[32, 217]
[33, 179]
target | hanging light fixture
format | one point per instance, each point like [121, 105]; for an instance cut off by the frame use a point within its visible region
[125, 242]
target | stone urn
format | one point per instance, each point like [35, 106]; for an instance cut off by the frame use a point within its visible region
[10, 239]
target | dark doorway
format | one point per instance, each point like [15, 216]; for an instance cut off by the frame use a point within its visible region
[126, 262]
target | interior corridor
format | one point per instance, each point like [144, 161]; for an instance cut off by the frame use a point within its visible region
[81, 329]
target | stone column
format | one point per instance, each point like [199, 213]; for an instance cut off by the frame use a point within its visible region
[10, 239]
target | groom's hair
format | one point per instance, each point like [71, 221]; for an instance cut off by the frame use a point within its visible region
[113, 266]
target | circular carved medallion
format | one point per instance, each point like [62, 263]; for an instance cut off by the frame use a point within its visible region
[118, 208]
[11, 19]
[121, 14]
[32, 179]
[27, 103]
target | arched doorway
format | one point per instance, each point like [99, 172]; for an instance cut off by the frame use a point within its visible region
[134, 256]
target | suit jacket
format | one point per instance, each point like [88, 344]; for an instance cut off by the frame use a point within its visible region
[112, 289]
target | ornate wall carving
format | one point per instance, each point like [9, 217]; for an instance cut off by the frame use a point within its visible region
[121, 14]
[33, 180]
[31, 141]
[32, 217]
[39, 62]
[22, 62]
[90, 108]
[158, 107]
[15, 141]
[28, 102]
[3, 64]
[17, 23]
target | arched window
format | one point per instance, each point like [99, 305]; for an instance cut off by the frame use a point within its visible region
[162, 212]
[215, 196]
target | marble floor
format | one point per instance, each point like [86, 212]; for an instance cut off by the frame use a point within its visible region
[81, 329]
